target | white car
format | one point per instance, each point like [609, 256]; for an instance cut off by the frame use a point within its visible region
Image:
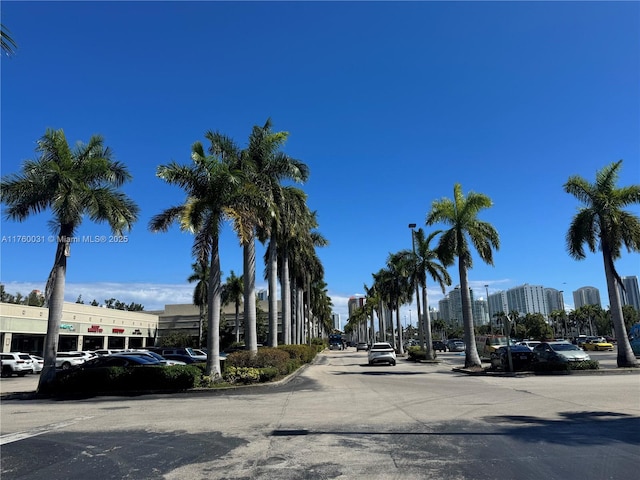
[530, 344]
[16, 362]
[38, 363]
[382, 352]
[66, 360]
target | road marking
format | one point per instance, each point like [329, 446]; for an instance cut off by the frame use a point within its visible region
[15, 437]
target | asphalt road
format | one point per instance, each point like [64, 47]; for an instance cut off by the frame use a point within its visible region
[339, 419]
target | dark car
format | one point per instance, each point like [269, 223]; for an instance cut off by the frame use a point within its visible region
[119, 360]
[521, 358]
[182, 358]
[439, 346]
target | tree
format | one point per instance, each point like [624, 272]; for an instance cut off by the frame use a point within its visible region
[603, 224]
[73, 183]
[7, 44]
[461, 215]
[209, 183]
[200, 298]
[428, 263]
[264, 167]
[232, 292]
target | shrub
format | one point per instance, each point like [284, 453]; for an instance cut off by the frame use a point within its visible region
[126, 380]
[301, 353]
[565, 366]
[244, 375]
[265, 357]
[416, 354]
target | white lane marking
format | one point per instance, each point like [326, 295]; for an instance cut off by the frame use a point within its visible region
[15, 437]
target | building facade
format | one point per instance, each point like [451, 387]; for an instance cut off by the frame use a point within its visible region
[555, 299]
[631, 293]
[527, 299]
[586, 296]
[83, 327]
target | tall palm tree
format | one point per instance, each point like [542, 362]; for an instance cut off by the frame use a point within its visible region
[265, 166]
[603, 224]
[232, 291]
[461, 215]
[201, 276]
[7, 44]
[209, 184]
[428, 263]
[73, 183]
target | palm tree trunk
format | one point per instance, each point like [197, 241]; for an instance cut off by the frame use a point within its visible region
[399, 324]
[430, 353]
[285, 301]
[250, 330]
[472, 359]
[626, 358]
[273, 293]
[213, 314]
[55, 303]
[237, 322]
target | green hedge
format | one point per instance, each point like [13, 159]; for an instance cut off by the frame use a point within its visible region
[126, 379]
[565, 366]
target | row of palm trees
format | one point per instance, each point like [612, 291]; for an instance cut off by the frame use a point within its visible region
[245, 186]
[601, 224]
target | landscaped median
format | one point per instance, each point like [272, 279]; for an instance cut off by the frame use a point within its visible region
[240, 368]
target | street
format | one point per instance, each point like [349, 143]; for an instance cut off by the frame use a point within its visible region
[339, 419]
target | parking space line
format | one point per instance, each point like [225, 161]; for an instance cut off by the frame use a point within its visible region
[15, 437]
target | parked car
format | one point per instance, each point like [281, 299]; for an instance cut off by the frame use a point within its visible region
[439, 346]
[187, 359]
[66, 360]
[559, 352]
[16, 363]
[597, 344]
[522, 357]
[335, 346]
[119, 360]
[154, 355]
[382, 352]
[38, 363]
[456, 345]
[186, 351]
[108, 351]
[531, 344]
[362, 346]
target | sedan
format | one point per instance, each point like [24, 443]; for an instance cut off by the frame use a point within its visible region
[120, 360]
[382, 352]
[559, 352]
[597, 345]
[38, 363]
[439, 346]
[456, 346]
[521, 358]
[362, 346]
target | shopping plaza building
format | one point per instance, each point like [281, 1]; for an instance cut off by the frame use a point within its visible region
[84, 327]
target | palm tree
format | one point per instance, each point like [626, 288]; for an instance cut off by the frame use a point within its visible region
[603, 224]
[73, 183]
[461, 214]
[7, 44]
[427, 262]
[201, 275]
[232, 292]
[209, 184]
[255, 205]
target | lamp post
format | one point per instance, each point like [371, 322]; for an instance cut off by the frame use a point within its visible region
[486, 287]
[421, 328]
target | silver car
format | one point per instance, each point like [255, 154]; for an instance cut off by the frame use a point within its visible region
[560, 352]
[382, 352]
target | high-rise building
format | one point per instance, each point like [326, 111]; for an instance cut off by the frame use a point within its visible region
[497, 304]
[631, 293]
[335, 321]
[527, 299]
[554, 299]
[451, 308]
[586, 296]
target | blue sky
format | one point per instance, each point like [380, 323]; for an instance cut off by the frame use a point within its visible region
[390, 105]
